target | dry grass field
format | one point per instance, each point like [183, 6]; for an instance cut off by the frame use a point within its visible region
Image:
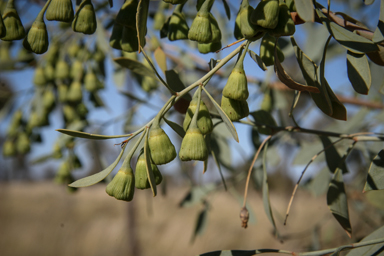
[42, 219]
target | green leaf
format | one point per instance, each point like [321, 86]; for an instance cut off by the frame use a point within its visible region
[338, 109]
[224, 116]
[227, 9]
[96, 99]
[141, 21]
[305, 10]
[132, 96]
[257, 59]
[201, 223]
[89, 135]
[346, 38]
[196, 195]
[161, 59]
[93, 179]
[152, 181]
[319, 184]
[370, 249]
[375, 178]
[176, 127]
[135, 66]
[333, 158]
[359, 73]
[219, 168]
[378, 35]
[337, 201]
[262, 118]
[368, 2]
[175, 83]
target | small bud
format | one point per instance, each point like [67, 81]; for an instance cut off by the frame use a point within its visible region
[285, 26]
[266, 14]
[235, 109]
[244, 216]
[127, 14]
[267, 50]
[141, 177]
[237, 85]
[77, 70]
[13, 26]
[60, 10]
[9, 148]
[39, 77]
[49, 72]
[193, 146]
[200, 30]
[61, 70]
[75, 93]
[91, 83]
[48, 99]
[177, 26]
[85, 18]
[161, 147]
[204, 120]
[37, 38]
[23, 145]
[122, 186]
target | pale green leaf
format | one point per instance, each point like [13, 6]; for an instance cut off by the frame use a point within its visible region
[141, 21]
[378, 35]
[161, 59]
[89, 135]
[227, 9]
[359, 73]
[258, 60]
[375, 249]
[375, 178]
[176, 127]
[319, 184]
[334, 160]
[305, 10]
[263, 120]
[151, 177]
[135, 66]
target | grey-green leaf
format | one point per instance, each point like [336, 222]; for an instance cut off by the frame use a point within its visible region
[375, 177]
[337, 201]
[175, 83]
[141, 21]
[95, 178]
[257, 59]
[135, 66]
[263, 119]
[370, 249]
[176, 127]
[359, 73]
[89, 135]
[227, 9]
[196, 195]
[378, 35]
[332, 156]
[201, 223]
[305, 10]
[152, 181]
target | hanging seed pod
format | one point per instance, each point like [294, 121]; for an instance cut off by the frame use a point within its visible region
[32, 122]
[37, 38]
[44, 118]
[129, 42]
[64, 174]
[149, 84]
[25, 56]
[77, 70]
[73, 49]
[53, 53]
[141, 177]
[23, 145]
[39, 77]
[70, 114]
[5, 52]
[98, 55]
[84, 54]
[116, 36]
[122, 186]
[235, 109]
[216, 33]
[200, 30]
[82, 110]
[61, 70]
[56, 151]
[15, 123]
[204, 120]
[247, 29]
[85, 18]
[49, 99]
[177, 26]
[285, 26]
[60, 10]
[62, 90]
[266, 14]
[175, 1]
[91, 83]
[160, 146]
[193, 146]
[291, 5]
[49, 72]
[75, 93]
[266, 104]
[209, 47]
[267, 50]
[12, 23]
[127, 14]
[9, 148]
[2, 27]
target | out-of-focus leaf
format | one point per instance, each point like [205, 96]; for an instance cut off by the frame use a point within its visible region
[161, 59]
[262, 117]
[89, 135]
[135, 66]
[201, 223]
[227, 9]
[176, 127]
[224, 116]
[378, 35]
[332, 156]
[93, 179]
[96, 99]
[319, 184]
[196, 195]
[132, 96]
[359, 73]
[375, 249]
[375, 178]
[351, 19]
[305, 10]
[257, 59]
[338, 109]
[375, 198]
[141, 21]
[368, 2]
[220, 146]
[346, 38]
[164, 29]
[175, 83]
[101, 37]
[151, 177]
[41, 159]
[337, 201]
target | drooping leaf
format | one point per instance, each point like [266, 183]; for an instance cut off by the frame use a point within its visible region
[337, 201]
[89, 135]
[359, 73]
[257, 59]
[375, 177]
[219, 168]
[161, 59]
[262, 117]
[224, 116]
[141, 21]
[148, 162]
[196, 195]
[333, 158]
[305, 10]
[376, 249]
[135, 66]
[176, 127]
[175, 83]
[227, 9]
[378, 35]
[201, 223]
[319, 184]
[95, 178]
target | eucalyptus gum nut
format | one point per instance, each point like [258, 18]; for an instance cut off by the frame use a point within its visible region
[15, 123]
[291, 5]
[234, 109]
[237, 85]
[247, 29]
[267, 50]
[141, 177]
[122, 186]
[237, 31]
[73, 49]
[209, 47]
[39, 77]
[215, 29]
[266, 104]
[116, 36]
[127, 14]
[193, 146]
[200, 30]
[160, 146]
[266, 14]
[82, 110]
[129, 41]
[9, 148]
[75, 93]
[3, 30]
[37, 38]
[85, 19]
[13, 26]
[23, 145]
[48, 100]
[61, 70]
[60, 10]
[53, 53]
[33, 121]
[62, 90]
[285, 26]
[77, 70]
[204, 120]
[177, 28]
[56, 152]
[70, 114]
[175, 1]
[49, 72]
[148, 83]
[91, 82]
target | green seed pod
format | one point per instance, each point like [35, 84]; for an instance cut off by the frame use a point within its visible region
[3, 30]
[70, 114]
[122, 186]
[285, 26]
[193, 146]
[75, 93]
[127, 14]
[267, 50]
[116, 36]
[53, 53]
[129, 41]
[85, 18]
[216, 33]
[141, 177]
[237, 31]
[15, 123]
[77, 70]
[5, 53]
[49, 99]
[235, 109]
[175, 1]
[61, 70]
[23, 145]
[12, 23]
[91, 83]
[209, 47]
[204, 120]
[247, 29]
[25, 56]
[73, 49]
[44, 118]
[9, 148]
[82, 110]
[291, 5]
[200, 30]
[266, 14]
[266, 104]
[49, 72]
[161, 147]
[84, 54]
[37, 38]
[98, 55]
[64, 174]
[39, 77]
[33, 121]
[177, 26]
[62, 90]
[56, 151]
[60, 10]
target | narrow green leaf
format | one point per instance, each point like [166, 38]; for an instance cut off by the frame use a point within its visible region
[305, 10]
[375, 178]
[135, 66]
[227, 9]
[262, 117]
[201, 224]
[378, 35]
[175, 83]
[219, 168]
[375, 249]
[196, 195]
[161, 59]
[95, 178]
[176, 127]
[338, 109]
[337, 201]
[148, 160]
[89, 135]
[224, 116]
[95, 98]
[333, 158]
[257, 59]
[141, 21]
[359, 73]
[346, 38]
[41, 159]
